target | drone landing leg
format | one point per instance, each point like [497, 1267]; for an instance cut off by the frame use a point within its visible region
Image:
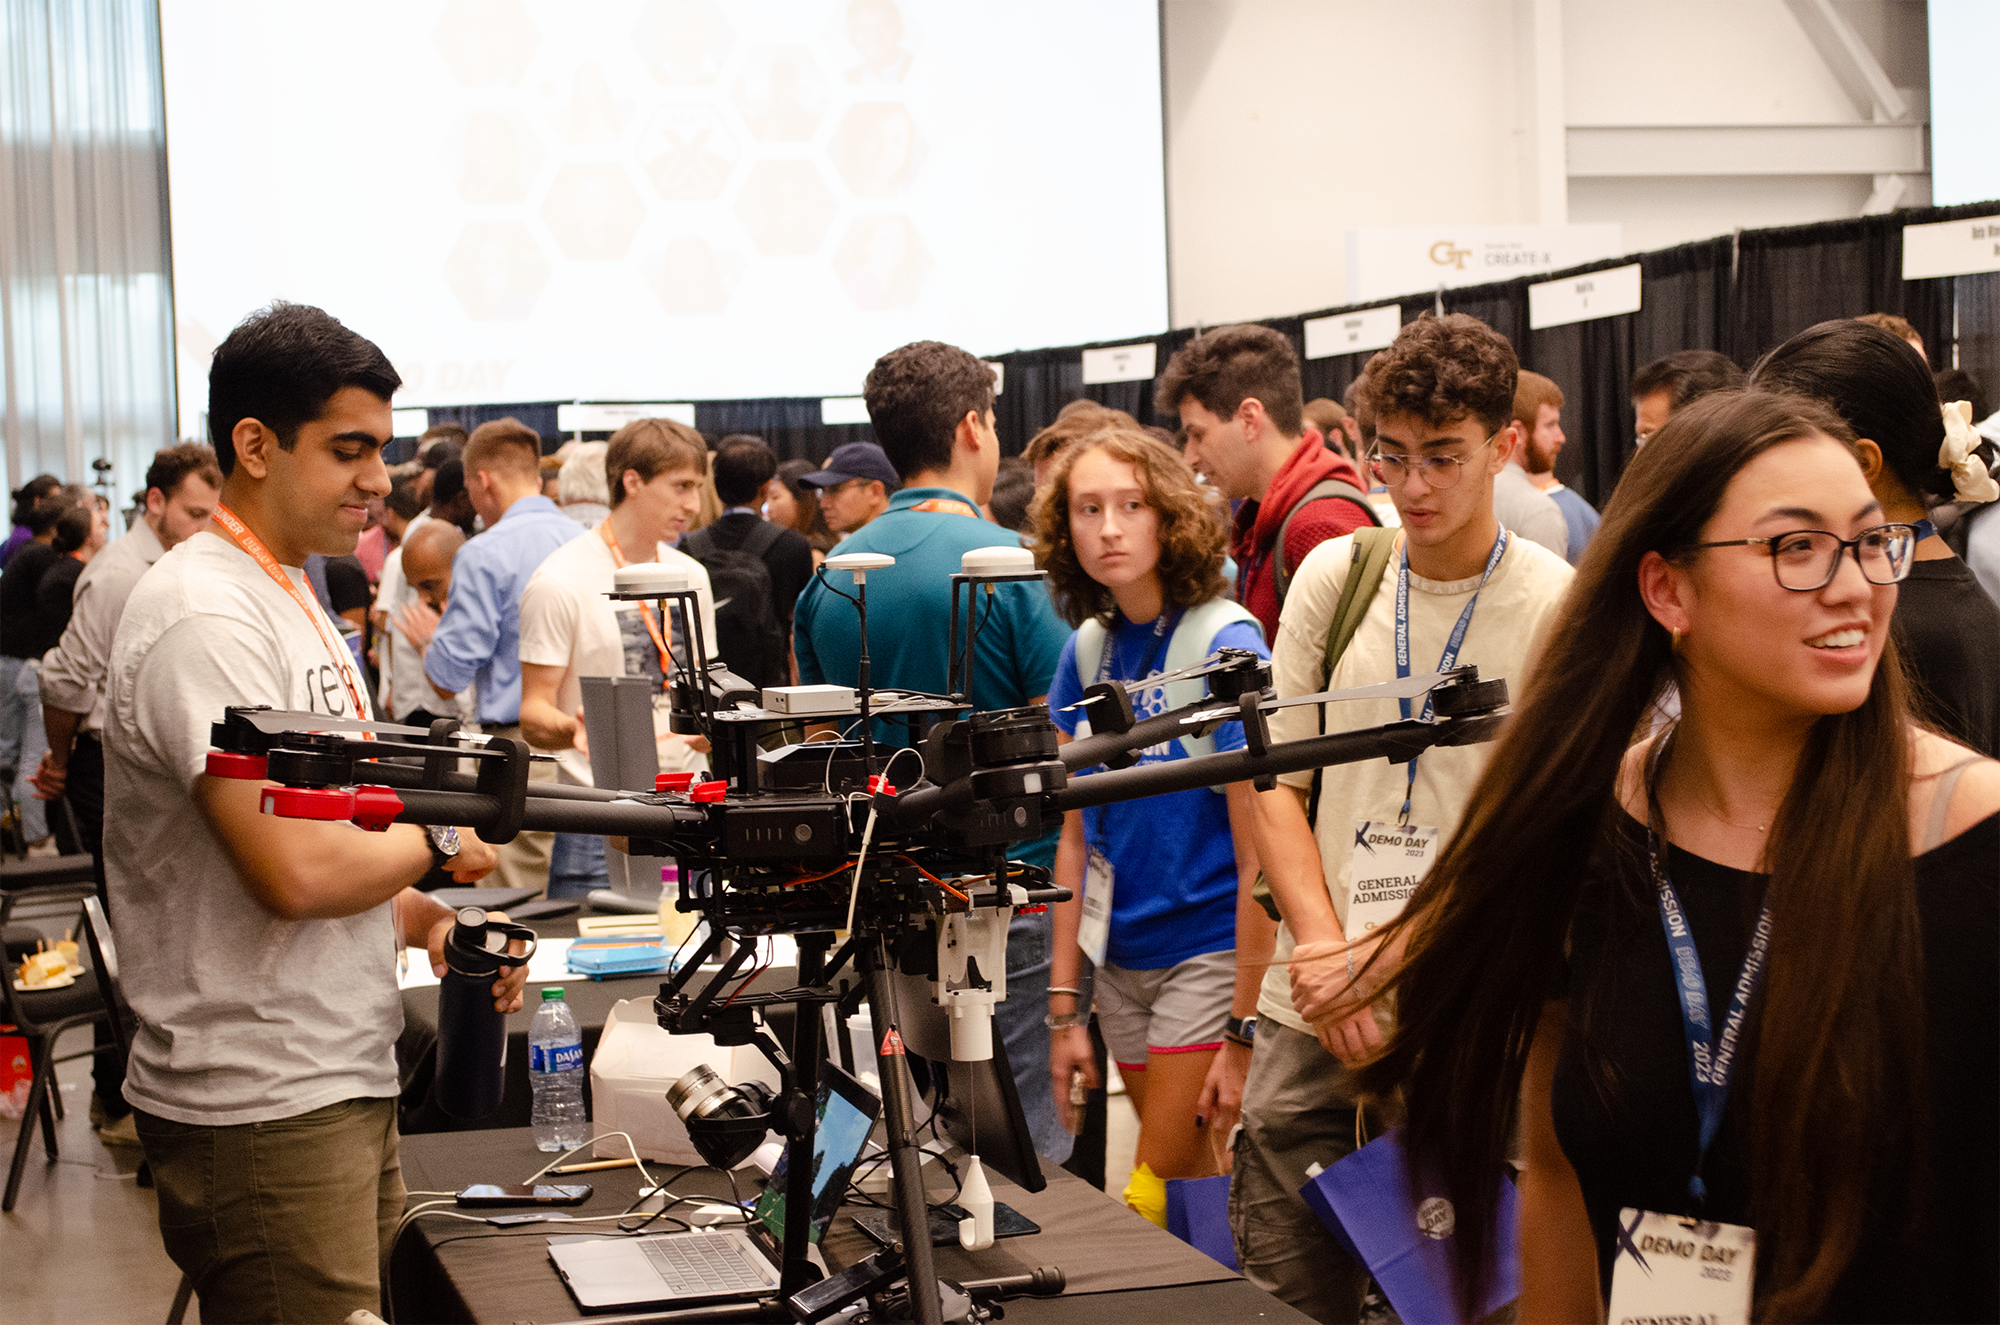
[798, 1271]
[905, 1160]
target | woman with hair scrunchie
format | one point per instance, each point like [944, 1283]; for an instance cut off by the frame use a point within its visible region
[1827, 867]
[1917, 454]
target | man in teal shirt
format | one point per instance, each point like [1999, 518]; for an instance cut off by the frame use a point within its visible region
[932, 408]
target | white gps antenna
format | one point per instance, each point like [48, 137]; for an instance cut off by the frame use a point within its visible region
[859, 564]
[649, 577]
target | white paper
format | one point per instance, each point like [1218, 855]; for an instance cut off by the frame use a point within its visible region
[1951, 248]
[1674, 1268]
[1353, 333]
[1607, 293]
[610, 418]
[1119, 363]
[834, 410]
[1093, 935]
[1390, 860]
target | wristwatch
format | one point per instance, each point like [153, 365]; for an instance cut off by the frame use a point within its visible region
[1240, 1030]
[444, 845]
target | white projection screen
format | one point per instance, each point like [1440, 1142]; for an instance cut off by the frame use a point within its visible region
[1965, 161]
[664, 199]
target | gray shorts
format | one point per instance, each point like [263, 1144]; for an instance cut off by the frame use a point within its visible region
[1172, 1010]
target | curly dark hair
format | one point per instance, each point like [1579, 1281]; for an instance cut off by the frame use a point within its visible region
[1191, 536]
[1442, 369]
[917, 394]
[1222, 368]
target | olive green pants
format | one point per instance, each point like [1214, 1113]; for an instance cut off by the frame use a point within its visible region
[287, 1220]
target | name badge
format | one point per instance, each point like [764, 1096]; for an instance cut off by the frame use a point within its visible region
[1670, 1267]
[1093, 935]
[1390, 860]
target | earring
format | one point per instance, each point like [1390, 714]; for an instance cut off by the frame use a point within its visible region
[1676, 633]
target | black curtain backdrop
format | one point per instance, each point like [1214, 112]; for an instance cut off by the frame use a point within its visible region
[1741, 294]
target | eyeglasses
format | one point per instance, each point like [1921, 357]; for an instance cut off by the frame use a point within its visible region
[1806, 560]
[845, 485]
[1392, 468]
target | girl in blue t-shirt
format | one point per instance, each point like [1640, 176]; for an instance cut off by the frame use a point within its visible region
[1134, 554]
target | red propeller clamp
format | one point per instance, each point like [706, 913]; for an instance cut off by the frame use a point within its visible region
[222, 764]
[706, 792]
[673, 782]
[373, 808]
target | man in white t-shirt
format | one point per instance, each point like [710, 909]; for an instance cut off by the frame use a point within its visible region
[1438, 398]
[570, 630]
[259, 953]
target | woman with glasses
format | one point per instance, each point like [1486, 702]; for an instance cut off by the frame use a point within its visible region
[1947, 629]
[1739, 984]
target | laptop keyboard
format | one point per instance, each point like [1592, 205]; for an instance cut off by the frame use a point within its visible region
[702, 1264]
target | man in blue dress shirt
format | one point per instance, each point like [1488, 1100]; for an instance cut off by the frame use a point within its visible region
[932, 408]
[479, 639]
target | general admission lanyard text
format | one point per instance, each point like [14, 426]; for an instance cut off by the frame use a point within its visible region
[1450, 658]
[239, 533]
[1712, 1050]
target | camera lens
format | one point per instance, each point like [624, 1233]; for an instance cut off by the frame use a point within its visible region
[702, 1094]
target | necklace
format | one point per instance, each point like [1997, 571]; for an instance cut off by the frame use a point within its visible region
[1711, 811]
[1716, 815]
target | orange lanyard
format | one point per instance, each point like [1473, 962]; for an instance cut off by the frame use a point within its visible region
[945, 504]
[618, 557]
[239, 534]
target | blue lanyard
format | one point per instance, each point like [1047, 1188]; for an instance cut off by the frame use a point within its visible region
[1711, 1054]
[1450, 658]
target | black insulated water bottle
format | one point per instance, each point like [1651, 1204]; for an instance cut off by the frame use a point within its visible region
[472, 1033]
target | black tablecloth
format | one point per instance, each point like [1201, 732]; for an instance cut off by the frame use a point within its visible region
[1119, 1267]
[591, 1002]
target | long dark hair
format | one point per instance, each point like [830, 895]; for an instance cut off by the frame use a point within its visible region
[1878, 383]
[1837, 1065]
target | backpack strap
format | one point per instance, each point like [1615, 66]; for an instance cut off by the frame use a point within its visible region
[1281, 569]
[1091, 639]
[1193, 640]
[1366, 569]
[763, 536]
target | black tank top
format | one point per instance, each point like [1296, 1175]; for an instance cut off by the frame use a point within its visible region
[1635, 1143]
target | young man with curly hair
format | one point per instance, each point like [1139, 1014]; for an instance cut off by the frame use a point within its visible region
[932, 407]
[1237, 392]
[1134, 557]
[1455, 589]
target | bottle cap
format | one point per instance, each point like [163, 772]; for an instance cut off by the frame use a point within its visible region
[553, 991]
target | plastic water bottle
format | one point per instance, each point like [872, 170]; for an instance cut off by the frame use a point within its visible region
[555, 1069]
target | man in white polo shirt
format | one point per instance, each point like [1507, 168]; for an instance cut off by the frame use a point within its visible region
[570, 629]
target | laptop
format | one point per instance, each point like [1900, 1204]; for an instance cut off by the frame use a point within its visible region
[727, 1264]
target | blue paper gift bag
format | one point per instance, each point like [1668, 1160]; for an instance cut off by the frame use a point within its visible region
[1405, 1237]
[1198, 1214]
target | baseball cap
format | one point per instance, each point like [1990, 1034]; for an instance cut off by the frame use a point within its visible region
[855, 460]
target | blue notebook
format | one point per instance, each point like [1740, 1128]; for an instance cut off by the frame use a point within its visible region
[1405, 1237]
